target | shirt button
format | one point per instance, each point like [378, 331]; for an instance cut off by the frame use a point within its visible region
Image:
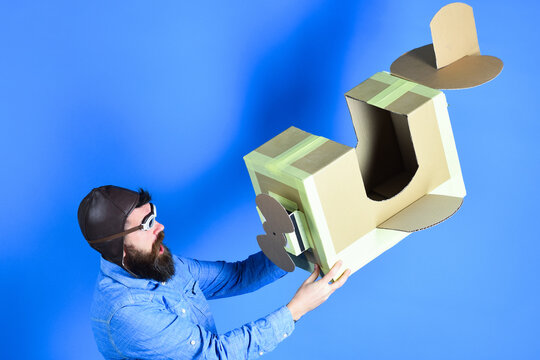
[261, 353]
[192, 342]
[183, 311]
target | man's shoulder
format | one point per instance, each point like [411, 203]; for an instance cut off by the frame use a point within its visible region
[185, 267]
[111, 295]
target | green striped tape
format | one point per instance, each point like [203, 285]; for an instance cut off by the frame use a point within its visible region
[396, 90]
[296, 152]
[398, 87]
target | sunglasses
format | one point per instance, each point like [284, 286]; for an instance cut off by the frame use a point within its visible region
[146, 224]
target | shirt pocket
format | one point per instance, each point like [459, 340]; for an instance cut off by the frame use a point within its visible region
[193, 294]
[179, 307]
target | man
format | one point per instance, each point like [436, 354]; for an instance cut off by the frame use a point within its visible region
[149, 304]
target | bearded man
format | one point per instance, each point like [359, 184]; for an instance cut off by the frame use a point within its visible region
[150, 304]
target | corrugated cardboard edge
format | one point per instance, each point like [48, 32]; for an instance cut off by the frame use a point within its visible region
[425, 212]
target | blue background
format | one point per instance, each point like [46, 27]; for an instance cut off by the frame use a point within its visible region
[170, 96]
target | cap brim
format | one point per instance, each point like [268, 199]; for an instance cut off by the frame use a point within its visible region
[418, 65]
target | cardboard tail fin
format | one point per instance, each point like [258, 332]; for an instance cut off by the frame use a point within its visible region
[453, 60]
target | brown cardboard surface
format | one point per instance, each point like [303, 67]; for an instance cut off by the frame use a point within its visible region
[399, 150]
[380, 155]
[277, 222]
[419, 65]
[391, 187]
[320, 157]
[453, 61]
[427, 211]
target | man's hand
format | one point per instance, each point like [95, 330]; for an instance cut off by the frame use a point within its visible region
[313, 293]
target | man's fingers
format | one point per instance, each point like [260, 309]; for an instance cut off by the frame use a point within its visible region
[342, 279]
[314, 275]
[328, 277]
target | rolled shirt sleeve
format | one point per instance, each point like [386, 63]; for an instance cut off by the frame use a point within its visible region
[161, 334]
[218, 279]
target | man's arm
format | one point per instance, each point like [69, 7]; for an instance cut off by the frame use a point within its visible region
[218, 279]
[176, 337]
[151, 332]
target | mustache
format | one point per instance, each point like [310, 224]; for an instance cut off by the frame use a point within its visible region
[158, 242]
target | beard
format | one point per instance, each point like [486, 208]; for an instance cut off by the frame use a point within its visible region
[153, 265]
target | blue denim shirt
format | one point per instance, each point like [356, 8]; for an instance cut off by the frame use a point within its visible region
[143, 319]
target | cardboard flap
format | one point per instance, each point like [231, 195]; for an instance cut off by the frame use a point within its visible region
[425, 212]
[454, 34]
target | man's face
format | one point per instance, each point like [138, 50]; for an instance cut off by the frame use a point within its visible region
[144, 252]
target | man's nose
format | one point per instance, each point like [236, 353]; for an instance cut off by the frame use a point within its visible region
[158, 227]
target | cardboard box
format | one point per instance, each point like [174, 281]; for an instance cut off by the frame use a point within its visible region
[317, 177]
[403, 176]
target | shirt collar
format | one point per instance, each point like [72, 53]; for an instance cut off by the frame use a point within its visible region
[115, 272]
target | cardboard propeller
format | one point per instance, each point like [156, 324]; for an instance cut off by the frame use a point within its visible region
[277, 223]
[453, 61]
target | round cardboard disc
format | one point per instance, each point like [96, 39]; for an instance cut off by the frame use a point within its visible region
[275, 214]
[418, 65]
[275, 252]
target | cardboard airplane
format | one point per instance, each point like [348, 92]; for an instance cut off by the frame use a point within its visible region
[321, 201]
